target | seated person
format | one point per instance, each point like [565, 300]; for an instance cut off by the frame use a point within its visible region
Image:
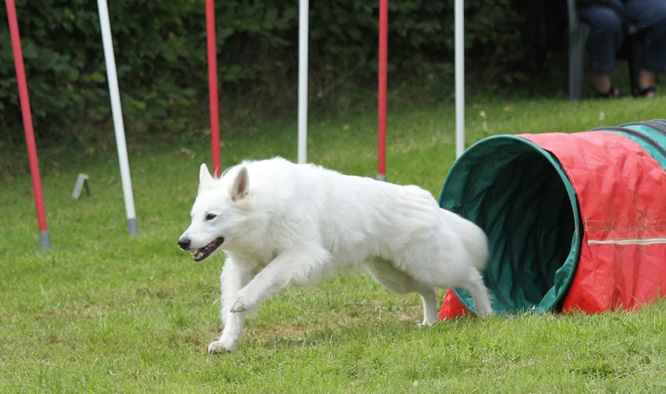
[608, 20]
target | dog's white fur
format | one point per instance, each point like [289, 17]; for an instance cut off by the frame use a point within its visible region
[285, 223]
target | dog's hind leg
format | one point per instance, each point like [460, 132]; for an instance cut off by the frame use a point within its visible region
[480, 295]
[429, 299]
[387, 275]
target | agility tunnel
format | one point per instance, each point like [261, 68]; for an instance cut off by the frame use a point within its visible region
[574, 221]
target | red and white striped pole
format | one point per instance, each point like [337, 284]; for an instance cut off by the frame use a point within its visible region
[212, 87]
[381, 94]
[44, 237]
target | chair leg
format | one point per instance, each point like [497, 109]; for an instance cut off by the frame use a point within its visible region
[634, 60]
[576, 61]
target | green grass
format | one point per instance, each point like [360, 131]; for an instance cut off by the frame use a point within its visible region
[107, 313]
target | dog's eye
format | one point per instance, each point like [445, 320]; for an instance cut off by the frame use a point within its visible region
[210, 216]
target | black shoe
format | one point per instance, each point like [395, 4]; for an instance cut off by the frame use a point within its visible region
[648, 92]
[612, 93]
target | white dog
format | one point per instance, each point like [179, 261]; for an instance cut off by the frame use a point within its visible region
[282, 223]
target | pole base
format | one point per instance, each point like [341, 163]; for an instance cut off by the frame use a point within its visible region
[45, 240]
[132, 226]
[381, 177]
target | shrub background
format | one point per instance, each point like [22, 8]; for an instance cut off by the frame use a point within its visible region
[161, 55]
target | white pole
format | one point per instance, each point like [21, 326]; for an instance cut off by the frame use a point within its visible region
[460, 75]
[117, 113]
[303, 81]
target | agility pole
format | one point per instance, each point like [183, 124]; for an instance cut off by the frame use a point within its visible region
[303, 27]
[381, 90]
[459, 18]
[116, 111]
[213, 98]
[44, 236]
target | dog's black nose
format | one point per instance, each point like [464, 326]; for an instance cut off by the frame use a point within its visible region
[184, 243]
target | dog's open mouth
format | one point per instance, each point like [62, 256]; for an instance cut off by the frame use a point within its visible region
[205, 252]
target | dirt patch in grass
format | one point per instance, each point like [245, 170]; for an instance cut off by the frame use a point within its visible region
[300, 330]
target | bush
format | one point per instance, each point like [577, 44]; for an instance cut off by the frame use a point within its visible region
[161, 54]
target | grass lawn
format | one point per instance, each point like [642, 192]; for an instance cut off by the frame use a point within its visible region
[103, 312]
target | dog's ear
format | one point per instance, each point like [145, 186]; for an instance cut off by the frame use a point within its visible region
[241, 185]
[205, 179]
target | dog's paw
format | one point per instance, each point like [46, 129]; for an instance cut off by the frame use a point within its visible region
[239, 305]
[427, 323]
[242, 303]
[218, 347]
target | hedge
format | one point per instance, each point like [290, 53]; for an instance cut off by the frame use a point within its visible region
[160, 53]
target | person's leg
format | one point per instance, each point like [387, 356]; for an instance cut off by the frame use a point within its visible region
[605, 40]
[650, 17]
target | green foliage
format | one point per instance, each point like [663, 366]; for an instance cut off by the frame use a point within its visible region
[161, 55]
[155, 54]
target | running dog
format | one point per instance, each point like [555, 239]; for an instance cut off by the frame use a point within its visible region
[282, 223]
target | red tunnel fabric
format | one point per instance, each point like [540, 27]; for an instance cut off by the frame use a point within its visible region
[621, 192]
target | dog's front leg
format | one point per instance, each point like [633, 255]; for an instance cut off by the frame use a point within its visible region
[232, 279]
[298, 265]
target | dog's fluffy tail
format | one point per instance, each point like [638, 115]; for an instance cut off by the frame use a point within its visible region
[475, 242]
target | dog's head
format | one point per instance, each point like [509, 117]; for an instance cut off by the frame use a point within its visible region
[219, 212]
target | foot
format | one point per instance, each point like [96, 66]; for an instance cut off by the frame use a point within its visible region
[485, 311]
[647, 83]
[219, 347]
[428, 322]
[649, 92]
[242, 303]
[602, 85]
[612, 93]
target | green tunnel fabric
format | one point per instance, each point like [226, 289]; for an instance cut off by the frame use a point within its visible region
[519, 195]
[650, 135]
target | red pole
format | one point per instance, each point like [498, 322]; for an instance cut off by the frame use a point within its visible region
[212, 87]
[27, 120]
[381, 95]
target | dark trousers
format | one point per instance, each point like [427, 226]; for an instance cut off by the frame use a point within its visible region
[606, 33]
